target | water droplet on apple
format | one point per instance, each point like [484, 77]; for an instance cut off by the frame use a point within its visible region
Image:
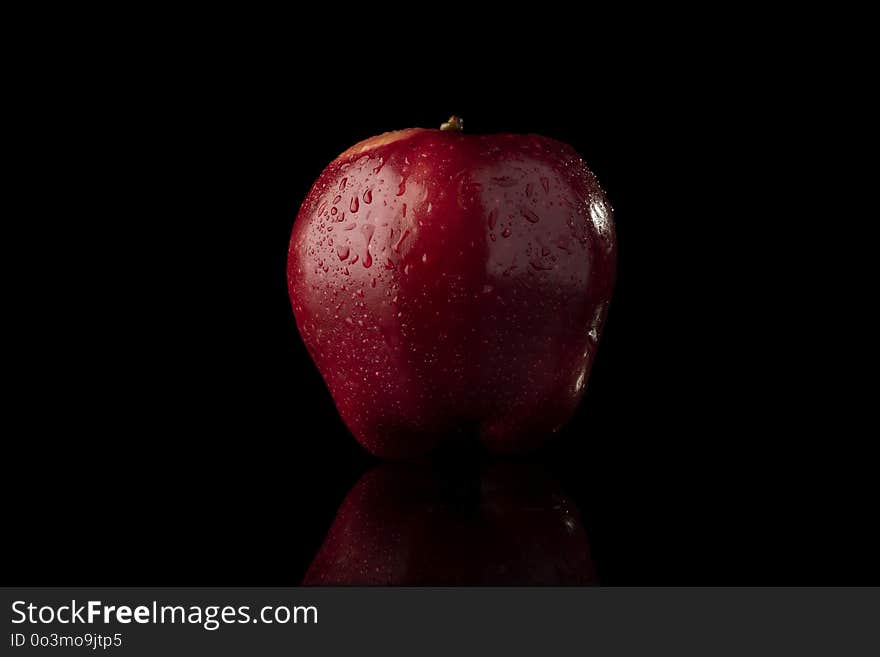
[529, 189]
[342, 184]
[424, 257]
[505, 232]
[404, 209]
[368, 196]
[336, 199]
[321, 208]
[406, 269]
[493, 218]
[333, 210]
[367, 231]
[401, 188]
[354, 204]
[389, 264]
[350, 226]
[342, 252]
[400, 241]
[530, 216]
[373, 283]
[354, 259]
[545, 183]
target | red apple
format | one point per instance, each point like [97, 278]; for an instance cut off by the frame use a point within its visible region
[417, 526]
[451, 284]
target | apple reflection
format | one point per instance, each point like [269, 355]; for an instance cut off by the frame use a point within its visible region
[406, 525]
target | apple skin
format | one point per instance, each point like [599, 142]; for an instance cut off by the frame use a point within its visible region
[404, 525]
[452, 285]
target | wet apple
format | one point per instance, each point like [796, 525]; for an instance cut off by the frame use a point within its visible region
[452, 285]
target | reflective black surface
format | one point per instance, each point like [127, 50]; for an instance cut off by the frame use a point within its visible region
[420, 525]
[167, 426]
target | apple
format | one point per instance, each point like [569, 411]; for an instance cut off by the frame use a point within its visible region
[404, 525]
[450, 285]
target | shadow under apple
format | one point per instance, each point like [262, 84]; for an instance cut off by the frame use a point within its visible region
[422, 525]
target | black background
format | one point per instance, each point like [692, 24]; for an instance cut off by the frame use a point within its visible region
[168, 427]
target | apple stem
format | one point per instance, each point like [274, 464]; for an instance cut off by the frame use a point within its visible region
[454, 124]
